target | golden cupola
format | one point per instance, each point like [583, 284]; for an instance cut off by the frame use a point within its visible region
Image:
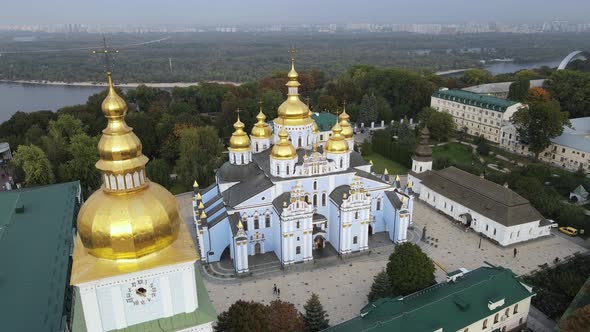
[239, 140]
[345, 125]
[129, 217]
[293, 111]
[283, 149]
[336, 143]
[261, 129]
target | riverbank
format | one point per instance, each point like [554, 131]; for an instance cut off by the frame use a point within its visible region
[122, 85]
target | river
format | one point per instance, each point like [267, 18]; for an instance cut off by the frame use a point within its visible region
[33, 97]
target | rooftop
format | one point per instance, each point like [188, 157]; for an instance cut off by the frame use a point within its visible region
[474, 99]
[448, 306]
[500, 87]
[577, 137]
[35, 242]
[324, 120]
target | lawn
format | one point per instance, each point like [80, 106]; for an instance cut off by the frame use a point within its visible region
[456, 152]
[380, 163]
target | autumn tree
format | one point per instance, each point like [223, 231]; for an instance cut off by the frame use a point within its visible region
[33, 161]
[538, 123]
[538, 94]
[283, 316]
[381, 287]
[316, 318]
[579, 320]
[244, 316]
[409, 269]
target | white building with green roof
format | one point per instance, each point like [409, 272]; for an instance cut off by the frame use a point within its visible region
[486, 299]
[480, 115]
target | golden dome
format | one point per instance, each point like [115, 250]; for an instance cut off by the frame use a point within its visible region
[283, 149]
[336, 143]
[129, 217]
[239, 140]
[261, 129]
[293, 111]
[346, 127]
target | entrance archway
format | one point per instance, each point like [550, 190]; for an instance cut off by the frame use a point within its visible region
[319, 243]
[257, 249]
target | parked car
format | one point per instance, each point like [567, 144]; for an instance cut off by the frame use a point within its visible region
[569, 231]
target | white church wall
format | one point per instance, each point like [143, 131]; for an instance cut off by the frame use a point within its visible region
[334, 226]
[220, 239]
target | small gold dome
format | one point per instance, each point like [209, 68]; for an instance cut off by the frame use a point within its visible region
[130, 217]
[261, 129]
[283, 149]
[347, 131]
[336, 143]
[239, 140]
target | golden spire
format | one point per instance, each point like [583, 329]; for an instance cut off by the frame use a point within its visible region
[337, 143]
[293, 110]
[240, 225]
[201, 206]
[346, 127]
[409, 184]
[130, 216]
[386, 172]
[198, 196]
[283, 149]
[203, 215]
[195, 184]
[239, 140]
[292, 73]
[261, 129]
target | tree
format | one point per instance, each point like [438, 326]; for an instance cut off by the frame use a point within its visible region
[579, 320]
[158, 171]
[538, 94]
[519, 89]
[483, 147]
[440, 124]
[199, 155]
[369, 110]
[316, 318]
[476, 76]
[81, 167]
[381, 287]
[35, 165]
[58, 138]
[244, 316]
[409, 269]
[572, 90]
[283, 316]
[538, 123]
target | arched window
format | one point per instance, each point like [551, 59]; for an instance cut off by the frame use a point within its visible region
[378, 204]
[315, 185]
[242, 159]
[356, 215]
[245, 224]
[496, 318]
[355, 240]
[324, 199]
[288, 169]
[485, 324]
[315, 200]
[507, 312]
[420, 168]
[494, 231]
[267, 221]
[256, 223]
[278, 169]
[297, 250]
[297, 225]
[515, 311]
[307, 199]
[341, 162]
[299, 141]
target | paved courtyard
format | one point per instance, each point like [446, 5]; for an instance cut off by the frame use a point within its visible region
[343, 286]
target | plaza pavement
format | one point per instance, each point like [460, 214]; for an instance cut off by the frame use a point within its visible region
[343, 287]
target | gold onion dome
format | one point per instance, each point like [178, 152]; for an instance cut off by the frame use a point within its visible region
[346, 127]
[283, 149]
[261, 129]
[239, 140]
[137, 218]
[337, 143]
[293, 110]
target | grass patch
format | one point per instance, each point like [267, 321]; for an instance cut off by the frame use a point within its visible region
[380, 163]
[457, 152]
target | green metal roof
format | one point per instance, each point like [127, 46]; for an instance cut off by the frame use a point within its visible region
[35, 245]
[474, 99]
[450, 306]
[204, 314]
[324, 120]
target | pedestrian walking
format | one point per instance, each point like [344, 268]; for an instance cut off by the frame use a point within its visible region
[274, 289]
[278, 291]
[515, 251]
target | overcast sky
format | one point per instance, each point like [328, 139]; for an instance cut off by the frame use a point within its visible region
[254, 12]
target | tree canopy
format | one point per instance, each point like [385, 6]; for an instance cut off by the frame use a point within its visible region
[316, 318]
[440, 124]
[409, 269]
[33, 161]
[244, 316]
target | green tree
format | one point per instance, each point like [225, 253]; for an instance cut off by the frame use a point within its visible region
[159, 171]
[476, 76]
[483, 147]
[538, 123]
[283, 316]
[519, 89]
[409, 269]
[244, 316]
[572, 90]
[82, 165]
[369, 110]
[58, 138]
[381, 287]
[440, 124]
[199, 155]
[35, 165]
[316, 318]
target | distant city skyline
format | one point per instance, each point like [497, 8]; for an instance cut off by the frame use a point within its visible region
[264, 12]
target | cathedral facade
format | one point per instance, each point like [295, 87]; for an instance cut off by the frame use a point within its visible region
[285, 191]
